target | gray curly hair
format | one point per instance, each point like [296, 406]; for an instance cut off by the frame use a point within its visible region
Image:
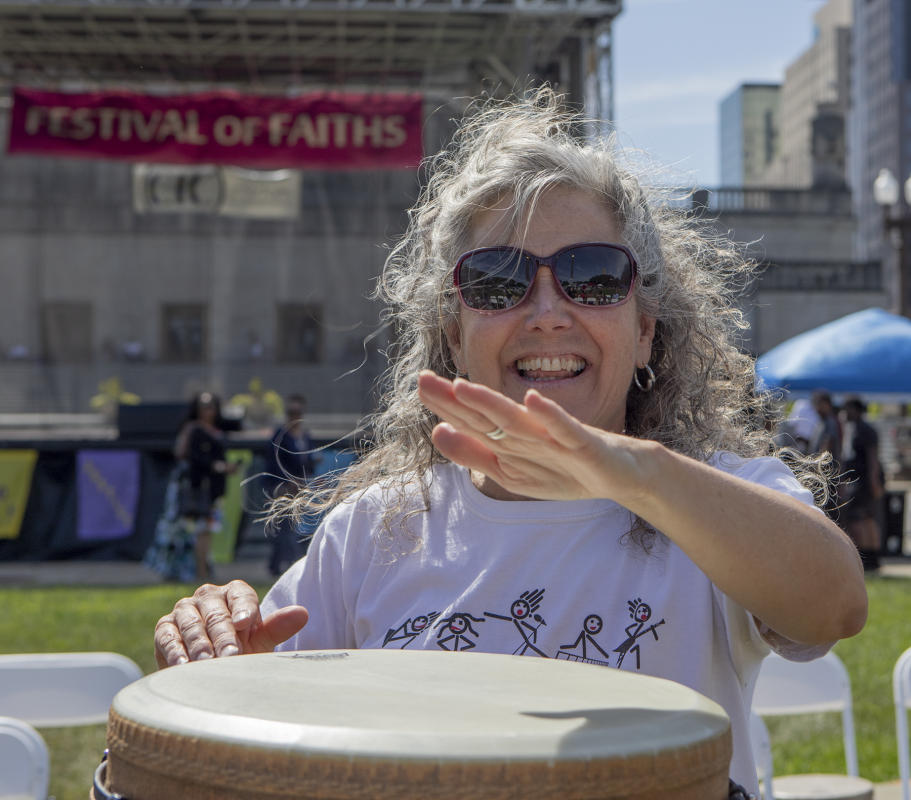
[506, 153]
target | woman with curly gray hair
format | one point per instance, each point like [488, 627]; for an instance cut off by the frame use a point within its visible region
[567, 463]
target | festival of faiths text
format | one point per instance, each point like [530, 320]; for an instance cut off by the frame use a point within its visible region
[323, 130]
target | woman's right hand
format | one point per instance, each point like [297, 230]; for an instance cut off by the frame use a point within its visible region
[222, 621]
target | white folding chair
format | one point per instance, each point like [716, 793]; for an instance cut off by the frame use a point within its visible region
[58, 689]
[762, 755]
[901, 692]
[809, 687]
[24, 761]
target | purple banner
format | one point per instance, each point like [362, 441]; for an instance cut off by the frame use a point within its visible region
[107, 484]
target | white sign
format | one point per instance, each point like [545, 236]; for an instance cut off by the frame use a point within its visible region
[207, 189]
[265, 195]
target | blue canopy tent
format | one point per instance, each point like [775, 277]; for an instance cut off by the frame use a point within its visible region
[867, 353]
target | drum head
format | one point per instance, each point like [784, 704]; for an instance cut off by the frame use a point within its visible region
[412, 724]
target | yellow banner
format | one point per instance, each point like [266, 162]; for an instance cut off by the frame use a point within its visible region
[16, 469]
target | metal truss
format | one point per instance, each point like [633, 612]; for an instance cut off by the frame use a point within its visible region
[293, 44]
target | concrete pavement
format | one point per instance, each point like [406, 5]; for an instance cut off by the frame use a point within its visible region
[251, 567]
[886, 791]
[114, 573]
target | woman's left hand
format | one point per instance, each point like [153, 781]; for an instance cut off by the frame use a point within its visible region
[545, 453]
[720, 521]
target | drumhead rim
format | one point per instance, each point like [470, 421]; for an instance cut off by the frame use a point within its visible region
[540, 726]
[231, 769]
[139, 757]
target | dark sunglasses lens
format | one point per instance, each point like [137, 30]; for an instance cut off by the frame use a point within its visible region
[492, 280]
[595, 275]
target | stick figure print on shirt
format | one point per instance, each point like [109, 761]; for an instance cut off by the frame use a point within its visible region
[640, 613]
[520, 611]
[456, 626]
[591, 627]
[410, 629]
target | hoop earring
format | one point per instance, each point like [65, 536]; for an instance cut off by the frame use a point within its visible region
[649, 379]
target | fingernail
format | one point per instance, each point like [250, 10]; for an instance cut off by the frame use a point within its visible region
[229, 650]
[241, 616]
[181, 660]
[204, 655]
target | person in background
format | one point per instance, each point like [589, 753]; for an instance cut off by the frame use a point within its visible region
[262, 407]
[201, 447]
[826, 442]
[800, 426]
[191, 514]
[827, 436]
[861, 489]
[290, 462]
[569, 441]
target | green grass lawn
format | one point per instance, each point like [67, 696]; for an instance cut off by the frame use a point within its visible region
[68, 618]
[869, 657]
[122, 620]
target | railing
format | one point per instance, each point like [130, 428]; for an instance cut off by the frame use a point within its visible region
[65, 388]
[609, 8]
[864, 276]
[830, 202]
[32, 427]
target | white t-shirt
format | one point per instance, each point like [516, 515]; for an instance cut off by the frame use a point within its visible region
[550, 579]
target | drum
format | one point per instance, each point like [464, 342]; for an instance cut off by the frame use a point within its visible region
[411, 724]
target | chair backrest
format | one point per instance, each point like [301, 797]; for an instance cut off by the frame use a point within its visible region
[24, 761]
[808, 687]
[58, 689]
[762, 755]
[901, 693]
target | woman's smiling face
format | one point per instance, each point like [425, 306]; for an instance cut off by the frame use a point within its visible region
[582, 357]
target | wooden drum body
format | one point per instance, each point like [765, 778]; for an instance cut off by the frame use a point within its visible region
[399, 724]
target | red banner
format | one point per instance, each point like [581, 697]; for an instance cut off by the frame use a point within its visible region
[324, 130]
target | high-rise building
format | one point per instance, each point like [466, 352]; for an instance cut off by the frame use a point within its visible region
[880, 128]
[815, 98]
[794, 206]
[748, 135]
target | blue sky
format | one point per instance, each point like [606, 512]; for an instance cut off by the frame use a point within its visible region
[674, 60]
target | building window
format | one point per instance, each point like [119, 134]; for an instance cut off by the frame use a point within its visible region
[183, 332]
[66, 332]
[299, 334]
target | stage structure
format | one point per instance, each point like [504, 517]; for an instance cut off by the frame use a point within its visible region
[200, 272]
[130, 271]
[439, 47]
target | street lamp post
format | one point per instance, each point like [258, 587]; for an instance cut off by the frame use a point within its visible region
[898, 225]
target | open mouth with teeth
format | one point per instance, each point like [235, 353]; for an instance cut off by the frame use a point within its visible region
[550, 369]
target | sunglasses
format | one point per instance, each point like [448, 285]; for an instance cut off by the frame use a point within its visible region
[597, 274]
